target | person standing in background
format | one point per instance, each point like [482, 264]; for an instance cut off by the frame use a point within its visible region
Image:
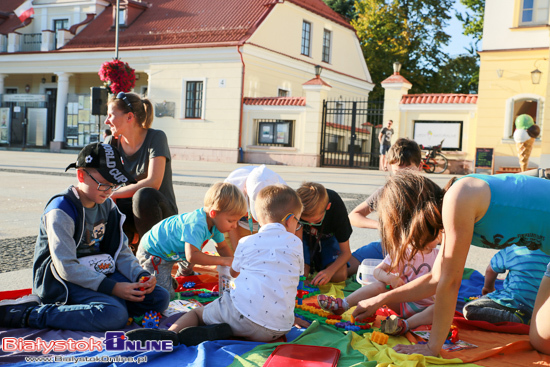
[385, 143]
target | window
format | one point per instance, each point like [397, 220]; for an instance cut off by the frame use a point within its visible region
[275, 133]
[534, 12]
[11, 90]
[122, 16]
[57, 25]
[531, 105]
[306, 38]
[193, 99]
[327, 37]
[283, 93]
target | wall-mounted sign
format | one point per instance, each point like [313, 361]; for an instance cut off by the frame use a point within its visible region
[24, 98]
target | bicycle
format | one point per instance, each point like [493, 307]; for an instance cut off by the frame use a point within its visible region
[434, 161]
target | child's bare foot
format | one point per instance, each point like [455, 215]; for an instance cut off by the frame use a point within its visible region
[333, 305]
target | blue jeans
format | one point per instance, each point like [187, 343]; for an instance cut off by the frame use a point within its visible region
[371, 251]
[88, 310]
[330, 250]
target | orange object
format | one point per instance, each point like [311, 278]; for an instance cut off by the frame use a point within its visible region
[352, 319]
[379, 337]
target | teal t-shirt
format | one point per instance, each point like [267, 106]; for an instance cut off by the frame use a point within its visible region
[168, 237]
[518, 214]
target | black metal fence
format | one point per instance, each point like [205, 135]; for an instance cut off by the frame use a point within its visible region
[350, 133]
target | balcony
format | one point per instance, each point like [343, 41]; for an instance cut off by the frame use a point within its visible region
[30, 42]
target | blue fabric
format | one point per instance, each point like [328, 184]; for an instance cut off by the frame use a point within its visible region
[471, 286]
[371, 251]
[167, 238]
[330, 249]
[526, 269]
[518, 214]
[88, 310]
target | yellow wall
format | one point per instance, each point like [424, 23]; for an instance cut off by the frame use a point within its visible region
[282, 31]
[493, 92]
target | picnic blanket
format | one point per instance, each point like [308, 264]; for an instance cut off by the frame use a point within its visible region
[504, 344]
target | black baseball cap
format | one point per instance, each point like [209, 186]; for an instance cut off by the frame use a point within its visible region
[106, 160]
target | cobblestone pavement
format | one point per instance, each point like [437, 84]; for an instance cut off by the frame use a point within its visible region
[17, 253]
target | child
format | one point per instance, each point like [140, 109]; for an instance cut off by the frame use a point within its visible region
[403, 154]
[182, 237]
[515, 302]
[413, 314]
[261, 307]
[85, 274]
[325, 233]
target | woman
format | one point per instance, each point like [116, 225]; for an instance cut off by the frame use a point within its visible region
[147, 158]
[485, 211]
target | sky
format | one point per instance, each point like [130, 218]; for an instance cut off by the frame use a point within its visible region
[458, 41]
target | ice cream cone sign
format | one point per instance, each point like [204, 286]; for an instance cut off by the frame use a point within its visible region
[524, 136]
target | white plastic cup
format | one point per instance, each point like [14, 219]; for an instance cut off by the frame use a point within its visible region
[365, 271]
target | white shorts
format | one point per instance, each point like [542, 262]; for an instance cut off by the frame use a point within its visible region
[222, 310]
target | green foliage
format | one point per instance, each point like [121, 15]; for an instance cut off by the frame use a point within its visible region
[408, 31]
[473, 22]
[346, 8]
[459, 75]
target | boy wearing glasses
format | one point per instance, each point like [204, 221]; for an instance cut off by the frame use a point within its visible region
[325, 232]
[267, 265]
[85, 275]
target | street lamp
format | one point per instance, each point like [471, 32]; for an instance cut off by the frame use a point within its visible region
[318, 70]
[396, 67]
[535, 76]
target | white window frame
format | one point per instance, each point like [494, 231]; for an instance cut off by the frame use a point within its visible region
[309, 40]
[540, 13]
[325, 31]
[509, 114]
[288, 94]
[183, 101]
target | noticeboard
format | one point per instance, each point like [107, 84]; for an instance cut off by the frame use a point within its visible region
[485, 159]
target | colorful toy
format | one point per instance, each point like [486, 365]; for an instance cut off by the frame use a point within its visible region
[188, 285]
[379, 337]
[453, 335]
[151, 320]
[143, 280]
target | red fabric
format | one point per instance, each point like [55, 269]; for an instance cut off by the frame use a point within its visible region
[15, 294]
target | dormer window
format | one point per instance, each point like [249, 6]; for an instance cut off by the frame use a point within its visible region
[122, 16]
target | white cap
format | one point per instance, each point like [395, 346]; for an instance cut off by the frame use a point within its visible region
[259, 178]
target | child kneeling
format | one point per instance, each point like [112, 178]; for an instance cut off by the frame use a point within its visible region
[413, 314]
[261, 307]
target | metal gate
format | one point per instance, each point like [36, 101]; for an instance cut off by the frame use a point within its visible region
[350, 133]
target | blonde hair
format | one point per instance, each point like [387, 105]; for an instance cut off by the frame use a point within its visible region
[274, 202]
[141, 108]
[225, 197]
[409, 210]
[404, 152]
[314, 197]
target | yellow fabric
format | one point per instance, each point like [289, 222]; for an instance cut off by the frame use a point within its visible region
[387, 357]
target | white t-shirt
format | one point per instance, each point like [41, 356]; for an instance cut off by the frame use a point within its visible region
[270, 263]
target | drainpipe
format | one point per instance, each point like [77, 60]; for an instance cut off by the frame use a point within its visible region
[241, 153]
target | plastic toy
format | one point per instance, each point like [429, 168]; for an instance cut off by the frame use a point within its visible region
[188, 285]
[151, 320]
[300, 293]
[143, 280]
[379, 337]
[453, 335]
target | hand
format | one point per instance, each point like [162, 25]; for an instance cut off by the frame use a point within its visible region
[299, 323]
[366, 308]
[227, 260]
[322, 277]
[149, 285]
[130, 291]
[423, 349]
[397, 282]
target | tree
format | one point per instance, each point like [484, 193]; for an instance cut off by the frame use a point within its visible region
[458, 75]
[346, 8]
[473, 22]
[408, 31]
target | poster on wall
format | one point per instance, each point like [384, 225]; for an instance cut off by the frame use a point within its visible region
[430, 133]
[5, 125]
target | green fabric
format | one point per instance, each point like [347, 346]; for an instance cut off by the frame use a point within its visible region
[316, 334]
[467, 273]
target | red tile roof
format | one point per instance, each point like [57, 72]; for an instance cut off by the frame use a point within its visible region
[439, 98]
[395, 78]
[6, 8]
[188, 23]
[317, 81]
[275, 101]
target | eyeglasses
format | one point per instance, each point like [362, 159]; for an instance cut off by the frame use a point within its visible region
[314, 224]
[122, 95]
[290, 215]
[102, 186]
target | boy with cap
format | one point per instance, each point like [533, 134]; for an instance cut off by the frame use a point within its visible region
[86, 278]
